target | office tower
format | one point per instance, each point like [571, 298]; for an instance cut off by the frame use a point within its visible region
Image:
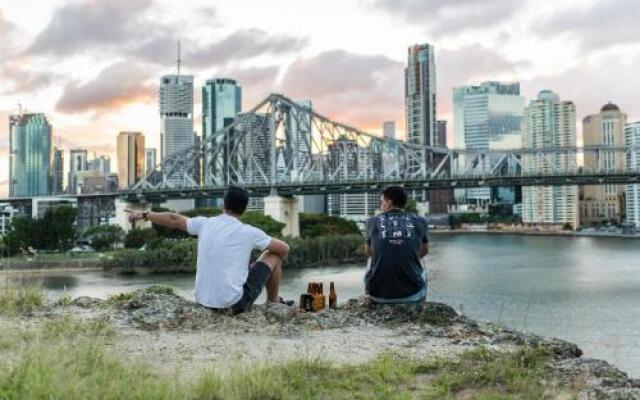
[77, 164]
[112, 182]
[149, 161]
[130, 152]
[29, 155]
[221, 103]
[441, 134]
[549, 122]
[603, 203]
[176, 120]
[100, 164]
[57, 171]
[389, 129]
[488, 117]
[221, 98]
[632, 164]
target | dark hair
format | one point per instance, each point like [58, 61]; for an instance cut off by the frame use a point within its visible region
[236, 200]
[396, 194]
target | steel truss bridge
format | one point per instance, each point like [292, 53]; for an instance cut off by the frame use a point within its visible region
[286, 148]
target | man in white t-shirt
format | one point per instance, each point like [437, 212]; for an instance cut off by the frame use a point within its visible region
[225, 279]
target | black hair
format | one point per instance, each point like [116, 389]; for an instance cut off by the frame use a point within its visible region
[236, 200]
[396, 194]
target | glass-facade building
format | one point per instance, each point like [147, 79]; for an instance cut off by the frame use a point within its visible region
[221, 104]
[57, 173]
[176, 120]
[29, 155]
[488, 117]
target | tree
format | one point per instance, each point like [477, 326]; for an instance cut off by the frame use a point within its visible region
[56, 229]
[104, 237]
[137, 237]
[411, 207]
[314, 225]
[269, 225]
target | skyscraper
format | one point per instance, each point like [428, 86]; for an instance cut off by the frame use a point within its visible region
[420, 108]
[632, 138]
[221, 98]
[420, 95]
[176, 118]
[603, 202]
[221, 103]
[149, 161]
[57, 173]
[389, 129]
[549, 122]
[29, 155]
[77, 164]
[488, 117]
[130, 152]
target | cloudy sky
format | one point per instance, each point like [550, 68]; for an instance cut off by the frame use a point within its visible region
[93, 66]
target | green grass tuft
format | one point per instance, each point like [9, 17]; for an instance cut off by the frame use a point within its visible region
[20, 296]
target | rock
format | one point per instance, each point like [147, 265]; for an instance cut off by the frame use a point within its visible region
[422, 313]
[87, 302]
[279, 313]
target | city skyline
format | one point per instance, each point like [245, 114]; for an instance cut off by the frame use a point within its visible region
[93, 80]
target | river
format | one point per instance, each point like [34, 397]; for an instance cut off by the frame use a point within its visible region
[585, 290]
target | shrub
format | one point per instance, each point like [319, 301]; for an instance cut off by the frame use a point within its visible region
[18, 296]
[313, 225]
[137, 237]
[104, 237]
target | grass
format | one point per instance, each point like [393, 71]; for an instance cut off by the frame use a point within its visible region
[18, 296]
[66, 358]
[70, 358]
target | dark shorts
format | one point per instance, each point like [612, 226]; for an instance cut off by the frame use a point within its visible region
[259, 274]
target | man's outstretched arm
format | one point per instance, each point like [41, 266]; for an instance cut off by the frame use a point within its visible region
[166, 219]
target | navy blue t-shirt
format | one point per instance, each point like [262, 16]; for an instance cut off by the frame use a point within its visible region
[395, 238]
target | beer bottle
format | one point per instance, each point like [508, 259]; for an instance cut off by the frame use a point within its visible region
[333, 298]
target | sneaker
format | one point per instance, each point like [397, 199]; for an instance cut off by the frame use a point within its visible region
[286, 302]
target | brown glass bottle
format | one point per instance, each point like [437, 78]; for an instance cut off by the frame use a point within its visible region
[333, 298]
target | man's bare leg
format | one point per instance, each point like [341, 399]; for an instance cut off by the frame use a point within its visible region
[274, 262]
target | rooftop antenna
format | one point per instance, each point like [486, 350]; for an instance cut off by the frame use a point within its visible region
[19, 108]
[179, 61]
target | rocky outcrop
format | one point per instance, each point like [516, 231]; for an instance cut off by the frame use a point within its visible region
[158, 308]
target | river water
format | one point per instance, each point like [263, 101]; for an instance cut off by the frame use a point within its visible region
[585, 290]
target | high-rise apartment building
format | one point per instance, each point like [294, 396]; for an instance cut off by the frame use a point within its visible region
[549, 122]
[176, 119]
[29, 155]
[130, 152]
[77, 164]
[420, 94]
[488, 117]
[632, 138]
[150, 161]
[603, 202]
[389, 129]
[57, 171]
[420, 101]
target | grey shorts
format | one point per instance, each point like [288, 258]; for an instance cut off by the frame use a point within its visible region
[259, 274]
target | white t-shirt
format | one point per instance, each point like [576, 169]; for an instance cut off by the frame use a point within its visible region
[224, 253]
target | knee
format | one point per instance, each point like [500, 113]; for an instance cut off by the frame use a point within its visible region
[273, 260]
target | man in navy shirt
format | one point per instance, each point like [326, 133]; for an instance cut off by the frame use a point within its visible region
[396, 241]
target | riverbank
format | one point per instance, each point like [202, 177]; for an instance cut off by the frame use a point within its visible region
[360, 350]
